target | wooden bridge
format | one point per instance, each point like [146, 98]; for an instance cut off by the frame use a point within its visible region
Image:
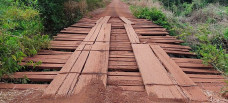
[133, 54]
[116, 50]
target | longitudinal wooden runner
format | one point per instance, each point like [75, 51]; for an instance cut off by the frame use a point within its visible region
[82, 61]
[155, 77]
[191, 90]
[162, 77]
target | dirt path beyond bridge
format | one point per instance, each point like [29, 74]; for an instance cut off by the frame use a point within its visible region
[115, 9]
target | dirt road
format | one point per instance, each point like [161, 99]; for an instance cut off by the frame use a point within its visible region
[115, 9]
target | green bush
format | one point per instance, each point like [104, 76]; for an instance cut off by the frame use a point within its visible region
[20, 34]
[203, 30]
[214, 55]
[226, 34]
[152, 14]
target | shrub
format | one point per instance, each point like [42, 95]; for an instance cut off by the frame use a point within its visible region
[20, 34]
[201, 26]
[214, 55]
[226, 34]
[151, 14]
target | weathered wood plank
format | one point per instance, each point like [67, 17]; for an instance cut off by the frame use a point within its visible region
[126, 20]
[131, 34]
[150, 67]
[98, 61]
[85, 81]
[181, 78]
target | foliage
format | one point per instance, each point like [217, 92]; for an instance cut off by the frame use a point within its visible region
[214, 55]
[56, 15]
[226, 34]
[23, 24]
[185, 7]
[20, 34]
[199, 23]
[151, 14]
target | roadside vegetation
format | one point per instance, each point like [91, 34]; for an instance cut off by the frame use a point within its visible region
[202, 24]
[26, 26]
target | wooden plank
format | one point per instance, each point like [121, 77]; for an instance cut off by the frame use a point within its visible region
[137, 74]
[100, 46]
[122, 59]
[180, 53]
[70, 62]
[150, 67]
[99, 27]
[129, 88]
[195, 70]
[205, 76]
[205, 80]
[86, 80]
[105, 37]
[123, 68]
[98, 60]
[92, 31]
[99, 20]
[79, 64]
[165, 93]
[99, 32]
[31, 77]
[67, 84]
[22, 86]
[37, 73]
[122, 63]
[131, 34]
[42, 66]
[59, 79]
[51, 52]
[126, 20]
[125, 82]
[195, 94]
[180, 77]
[65, 56]
[193, 65]
[192, 91]
[46, 61]
[187, 60]
[54, 85]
